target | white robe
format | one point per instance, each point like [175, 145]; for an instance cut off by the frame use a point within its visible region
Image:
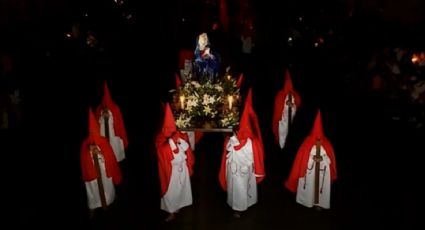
[93, 196]
[240, 177]
[283, 122]
[179, 193]
[305, 190]
[192, 140]
[116, 142]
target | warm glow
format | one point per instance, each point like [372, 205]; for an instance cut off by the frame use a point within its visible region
[182, 101]
[415, 58]
[228, 77]
[230, 99]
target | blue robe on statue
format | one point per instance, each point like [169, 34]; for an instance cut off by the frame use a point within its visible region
[206, 66]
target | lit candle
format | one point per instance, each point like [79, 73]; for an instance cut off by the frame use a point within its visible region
[182, 101]
[230, 99]
[228, 77]
[415, 58]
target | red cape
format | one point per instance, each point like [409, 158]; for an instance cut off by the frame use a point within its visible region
[165, 156]
[299, 167]
[89, 172]
[258, 161]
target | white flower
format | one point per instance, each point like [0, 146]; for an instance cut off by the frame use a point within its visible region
[207, 110]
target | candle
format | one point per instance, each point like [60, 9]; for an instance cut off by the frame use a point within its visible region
[182, 101]
[230, 99]
[228, 77]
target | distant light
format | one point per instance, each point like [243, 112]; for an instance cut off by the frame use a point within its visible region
[415, 58]
[183, 19]
[129, 16]
[290, 39]
[300, 18]
[68, 35]
[316, 44]
[86, 15]
[215, 26]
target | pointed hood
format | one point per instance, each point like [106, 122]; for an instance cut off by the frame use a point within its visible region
[300, 165]
[168, 125]
[94, 129]
[89, 171]
[248, 128]
[317, 131]
[178, 80]
[107, 99]
[119, 127]
[239, 82]
[280, 103]
[245, 128]
[288, 82]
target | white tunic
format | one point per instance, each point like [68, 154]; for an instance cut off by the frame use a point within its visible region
[283, 122]
[116, 142]
[192, 140]
[93, 195]
[306, 190]
[240, 177]
[179, 193]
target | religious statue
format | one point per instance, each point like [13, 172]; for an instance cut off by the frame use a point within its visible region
[206, 66]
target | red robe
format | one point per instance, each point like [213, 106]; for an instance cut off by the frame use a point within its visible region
[165, 156]
[258, 161]
[279, 106]
[299, 167]
[89, 172]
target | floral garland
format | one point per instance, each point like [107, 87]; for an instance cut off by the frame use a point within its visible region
[207, 105]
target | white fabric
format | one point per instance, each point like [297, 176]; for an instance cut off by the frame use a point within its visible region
[179, 193]
[240, 177]
[93, 196]
[116, 142]
[283, 122]
[305, 190]
[191, 135]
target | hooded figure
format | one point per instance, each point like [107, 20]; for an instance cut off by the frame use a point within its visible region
[112, 124]
[101, 176]
[175, 163]
[312, 184]
[286, 104]
[242, 165]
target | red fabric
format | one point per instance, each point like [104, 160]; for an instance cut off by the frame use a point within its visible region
[89, 172]
[239, 82]
[248, 128]
[184, 54]
[222, 171]
[299, 166]
[119, 127]
[87, 166]
[198, 136]
[224, 17]
[164, 152]
[178, 80]
[168, 125]
[279, 103]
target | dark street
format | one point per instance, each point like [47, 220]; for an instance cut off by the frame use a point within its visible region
[377, 137]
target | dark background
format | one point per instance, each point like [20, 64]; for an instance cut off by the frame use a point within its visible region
[59, 77]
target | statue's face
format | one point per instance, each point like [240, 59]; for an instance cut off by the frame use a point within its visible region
[203, 41]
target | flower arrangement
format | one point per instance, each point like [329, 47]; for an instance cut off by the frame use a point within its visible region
[207, 105]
